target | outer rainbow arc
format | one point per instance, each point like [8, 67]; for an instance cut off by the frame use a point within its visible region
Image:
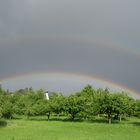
[79, 75]
[78, 40]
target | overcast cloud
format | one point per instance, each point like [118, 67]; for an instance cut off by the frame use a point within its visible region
[44, 35]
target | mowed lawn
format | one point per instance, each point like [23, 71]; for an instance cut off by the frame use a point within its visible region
[23, 129]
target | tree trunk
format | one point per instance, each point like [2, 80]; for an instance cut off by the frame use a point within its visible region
[109, 119]
[48, 116]
[120, 117]
[73, 117]
[58, 116]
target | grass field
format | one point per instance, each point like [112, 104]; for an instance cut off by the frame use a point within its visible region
[39, 129]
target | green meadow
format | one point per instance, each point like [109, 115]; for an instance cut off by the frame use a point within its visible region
[40, 129]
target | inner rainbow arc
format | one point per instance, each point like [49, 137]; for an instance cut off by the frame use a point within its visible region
[70, 75]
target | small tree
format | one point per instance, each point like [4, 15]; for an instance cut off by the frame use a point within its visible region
[74, 105]
[57, 103]
[123, 104]
[137, 109]
[106, 104]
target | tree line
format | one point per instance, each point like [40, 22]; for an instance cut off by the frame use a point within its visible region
[83, 105]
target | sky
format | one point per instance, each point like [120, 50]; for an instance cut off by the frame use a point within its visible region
[98, 38]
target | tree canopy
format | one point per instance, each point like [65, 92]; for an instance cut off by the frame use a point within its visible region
[85, 105]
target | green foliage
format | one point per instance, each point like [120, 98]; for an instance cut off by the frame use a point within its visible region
[6, 108]
[57, 101]
[74, 105]
[84, 105]
[137, 108]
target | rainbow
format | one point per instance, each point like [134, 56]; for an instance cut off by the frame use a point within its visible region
[76, 40]
[78, 75]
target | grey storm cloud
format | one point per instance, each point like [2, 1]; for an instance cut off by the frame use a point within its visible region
[27, 26]
[109, 20]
